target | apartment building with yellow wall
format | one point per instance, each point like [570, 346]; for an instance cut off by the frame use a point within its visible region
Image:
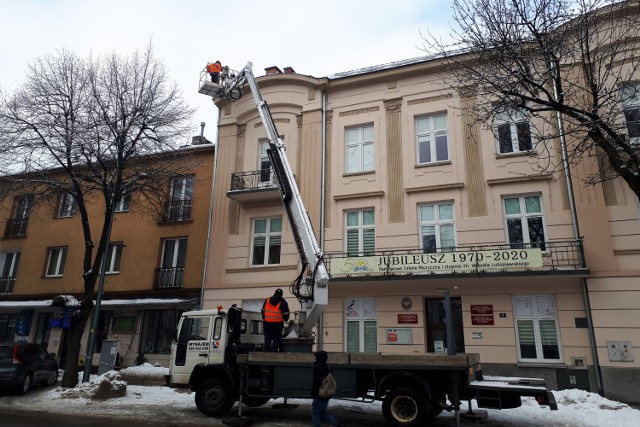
[412, 200]
[154, 268]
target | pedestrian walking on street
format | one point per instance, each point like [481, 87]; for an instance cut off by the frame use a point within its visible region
[319, 406]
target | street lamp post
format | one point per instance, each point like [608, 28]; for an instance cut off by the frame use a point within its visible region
[96, 309]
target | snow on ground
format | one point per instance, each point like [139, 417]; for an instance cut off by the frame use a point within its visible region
[576, 408]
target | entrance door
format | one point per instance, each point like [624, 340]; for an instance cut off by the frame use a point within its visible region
[437, 329]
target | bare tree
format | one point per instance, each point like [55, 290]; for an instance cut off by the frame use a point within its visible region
[92, 129]
[548, 59]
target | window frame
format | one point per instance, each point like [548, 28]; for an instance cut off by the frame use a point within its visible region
[362, 145]
[113, 250]
[361, 227]
[512, 117]
[361, 319]
[159, 317]
[268, 235]
[123, 203]
[61, 258]
[535, 317]
[524, 224]
[66, 206]
[631, 101]
[432, 135]
[437, 223]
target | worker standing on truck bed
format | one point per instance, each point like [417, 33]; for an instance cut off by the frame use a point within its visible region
[275, 311]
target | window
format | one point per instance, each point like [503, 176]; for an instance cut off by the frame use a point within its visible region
[8, 266]
[67, 206]
[537, 329]
[630, 95]
[431, 139]
[524, 221]
[17, 224]
[361, 232]
[158, 330]
[264, 165]
[8, 326]
[181, 199]
[56, 258]
[114, 255]
[512, 130]
[122, 204]
[359, 149]
[437, 227]
[361, 324]
[174, 257]
[267, 241]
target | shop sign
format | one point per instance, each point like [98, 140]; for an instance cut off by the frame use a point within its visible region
[399, 336]
[67, 314]
[482, 309]
[407, 318]
[502, 259]
[55, 322]
[476, 335]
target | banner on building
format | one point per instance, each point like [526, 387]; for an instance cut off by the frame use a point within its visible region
[497, 259]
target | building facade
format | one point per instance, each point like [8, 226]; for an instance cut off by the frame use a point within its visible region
[154, 267]
[413, 201]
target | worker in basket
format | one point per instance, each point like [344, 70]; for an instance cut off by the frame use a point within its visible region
[214, 70]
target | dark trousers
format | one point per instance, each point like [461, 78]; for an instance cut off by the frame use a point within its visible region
[215, 77]
[273, 336]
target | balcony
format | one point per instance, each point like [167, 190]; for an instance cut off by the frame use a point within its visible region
[551, 258]
[6, 285]
[169, 278]
[16, 227]
[254, 186]
[177, 210]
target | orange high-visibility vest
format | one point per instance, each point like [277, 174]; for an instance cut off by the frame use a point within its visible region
[272, 312]
[214, 68]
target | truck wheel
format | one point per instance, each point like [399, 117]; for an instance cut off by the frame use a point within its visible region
[405, 407]
[214, 398]
[254, 401]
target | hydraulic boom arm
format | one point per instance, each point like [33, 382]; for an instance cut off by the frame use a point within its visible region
[312, 292]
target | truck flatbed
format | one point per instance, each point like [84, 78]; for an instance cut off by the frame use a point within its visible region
[342, 359]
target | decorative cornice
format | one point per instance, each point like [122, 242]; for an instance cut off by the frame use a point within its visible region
[626, 251]
[259, 124]
[260, 269]
[329, 116]
[299, 120]
[430, 99]
[358, 195]
[525, 178]
[242, 129]
[359, 111]
[439, 187]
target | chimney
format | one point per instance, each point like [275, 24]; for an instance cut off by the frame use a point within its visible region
[197, 140]
[289, 70]
[273, 70]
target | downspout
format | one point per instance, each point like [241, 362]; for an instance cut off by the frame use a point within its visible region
[213, 182]
[577, 237]
[322, 202]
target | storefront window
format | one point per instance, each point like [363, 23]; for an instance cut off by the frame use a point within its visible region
[361, 325]
[158, 330]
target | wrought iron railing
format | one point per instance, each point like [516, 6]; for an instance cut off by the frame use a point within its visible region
[177, 210]
[6, 285]
[565, 256]
[253, 180]
[16, 227]
[166, 278]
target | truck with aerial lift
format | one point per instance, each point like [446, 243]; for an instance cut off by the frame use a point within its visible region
[217, 352]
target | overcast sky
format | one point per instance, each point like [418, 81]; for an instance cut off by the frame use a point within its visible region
[316, 38]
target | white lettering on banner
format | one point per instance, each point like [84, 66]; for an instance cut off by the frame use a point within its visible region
[439, 262]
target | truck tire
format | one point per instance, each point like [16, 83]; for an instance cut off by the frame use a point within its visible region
[405, 407]
[214, 398]
[254, 401]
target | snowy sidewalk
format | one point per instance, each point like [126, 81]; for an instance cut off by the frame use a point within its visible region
[162, 405]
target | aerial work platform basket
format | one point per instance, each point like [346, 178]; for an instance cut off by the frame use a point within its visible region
[227, 88]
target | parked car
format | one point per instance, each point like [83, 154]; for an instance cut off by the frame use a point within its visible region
[23, 364]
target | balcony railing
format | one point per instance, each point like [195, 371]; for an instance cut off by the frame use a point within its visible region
[555, 257]
[177, 210]
[253, 180]
[6, 285]
[16, 227]
[167, 278]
